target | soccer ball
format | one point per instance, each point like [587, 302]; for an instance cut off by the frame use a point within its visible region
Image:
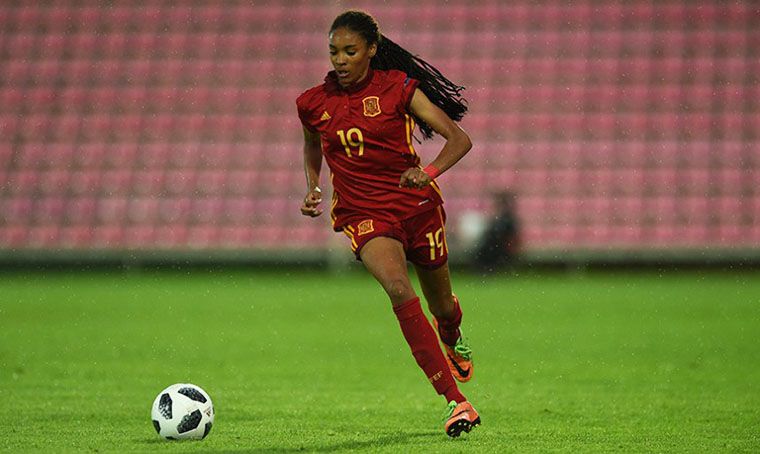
[182, 411]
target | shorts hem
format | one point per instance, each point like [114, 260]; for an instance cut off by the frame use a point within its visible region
[429, 266]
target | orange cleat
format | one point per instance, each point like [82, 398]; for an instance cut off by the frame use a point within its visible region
[458, 357]
[460, 417]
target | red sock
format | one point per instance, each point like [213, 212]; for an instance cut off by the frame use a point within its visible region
[449, 328]
[422, 340]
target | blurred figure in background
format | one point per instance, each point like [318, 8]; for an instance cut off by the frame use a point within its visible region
[499, 245]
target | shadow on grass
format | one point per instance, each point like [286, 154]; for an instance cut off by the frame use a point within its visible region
[387, 440]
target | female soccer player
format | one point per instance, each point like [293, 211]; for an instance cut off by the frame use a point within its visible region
[361, 119]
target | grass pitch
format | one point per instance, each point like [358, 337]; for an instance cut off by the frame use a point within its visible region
[316, 362]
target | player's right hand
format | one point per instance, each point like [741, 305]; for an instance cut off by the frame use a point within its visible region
[311, 203]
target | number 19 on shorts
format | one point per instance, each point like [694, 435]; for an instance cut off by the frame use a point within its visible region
[437, 241]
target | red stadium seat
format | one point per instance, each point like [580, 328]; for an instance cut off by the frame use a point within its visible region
[76, 237]
[116, 182]
[43, 236]
[143, 210]
[202, 236]
[112, 210]
[17, 210]
[14, 236]
[233, 237]
[81, 211]
[207, 211]
[134, 237]
[239, 211]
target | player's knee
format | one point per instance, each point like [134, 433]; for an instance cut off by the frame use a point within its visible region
[399, 290]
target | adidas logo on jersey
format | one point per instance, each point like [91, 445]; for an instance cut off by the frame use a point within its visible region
[325, 116]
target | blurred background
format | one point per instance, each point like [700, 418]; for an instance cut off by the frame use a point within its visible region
[166, 131]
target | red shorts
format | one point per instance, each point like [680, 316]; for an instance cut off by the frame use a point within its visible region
[423, 236]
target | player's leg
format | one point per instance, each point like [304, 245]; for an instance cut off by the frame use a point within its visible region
[429, 254]
[436, 286]
[385, 259]
[444, 305]
[427, 250]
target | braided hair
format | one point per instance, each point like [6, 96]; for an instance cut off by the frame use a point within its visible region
[441, 91]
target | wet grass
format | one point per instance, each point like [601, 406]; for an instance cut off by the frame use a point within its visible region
[314, 362]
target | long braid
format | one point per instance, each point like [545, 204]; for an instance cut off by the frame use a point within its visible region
[441, 91]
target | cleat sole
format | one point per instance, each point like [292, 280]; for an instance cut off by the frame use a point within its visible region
[458, 427]
[463, 425]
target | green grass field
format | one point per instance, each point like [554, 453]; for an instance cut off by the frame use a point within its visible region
[307, 361]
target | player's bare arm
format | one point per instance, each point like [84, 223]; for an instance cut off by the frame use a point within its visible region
[312, 161]
[457, 141]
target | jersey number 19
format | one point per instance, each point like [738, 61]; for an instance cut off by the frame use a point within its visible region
[352, 139]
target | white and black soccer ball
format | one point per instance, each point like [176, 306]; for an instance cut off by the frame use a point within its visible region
[182, 411]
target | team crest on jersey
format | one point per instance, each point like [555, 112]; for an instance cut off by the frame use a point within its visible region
[371, 106]
[366, 227]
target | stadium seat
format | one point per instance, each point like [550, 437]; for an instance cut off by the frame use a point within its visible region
[22, 182]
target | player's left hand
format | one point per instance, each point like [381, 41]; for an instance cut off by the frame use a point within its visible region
[415, 178]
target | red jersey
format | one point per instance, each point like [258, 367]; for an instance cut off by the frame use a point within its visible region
[366, 134]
